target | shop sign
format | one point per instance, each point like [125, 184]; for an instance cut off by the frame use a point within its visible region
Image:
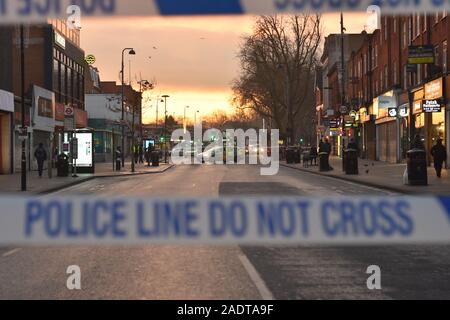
[386, 102]
[392, 112]
[421, 54]
[433, 89]
[403, 111]
[334, 123]
[431, 106]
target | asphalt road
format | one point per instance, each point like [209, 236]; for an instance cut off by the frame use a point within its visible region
[205, 272]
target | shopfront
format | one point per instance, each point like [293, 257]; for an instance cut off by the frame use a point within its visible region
[433, 106]
[6, 118]
[386, 127]
[368, 133]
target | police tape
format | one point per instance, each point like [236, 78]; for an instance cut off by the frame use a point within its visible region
[27, 11]
[224, 221]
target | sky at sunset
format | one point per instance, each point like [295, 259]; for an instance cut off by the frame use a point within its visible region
[192, 59]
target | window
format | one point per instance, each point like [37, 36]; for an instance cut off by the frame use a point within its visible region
[425, 21]
[436, 55]
[405, 77]
[381, 80]
[444, 56]
[409, 31]
[417, 24]
[395, 24]
[419, 74]
[45, 108]
[436, 18]
[395, 72]
[385, 28]
[386, 75]
[404, 35]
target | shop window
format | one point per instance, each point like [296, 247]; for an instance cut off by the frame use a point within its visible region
[438, 125]
[45, 108]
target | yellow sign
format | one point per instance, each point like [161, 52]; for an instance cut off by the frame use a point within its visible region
[90, 59]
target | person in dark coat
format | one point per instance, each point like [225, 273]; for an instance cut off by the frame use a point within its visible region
[41, 156]
[313, 155]
[439, 154]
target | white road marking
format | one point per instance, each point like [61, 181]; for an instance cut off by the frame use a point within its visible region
[9, 253]
[256, 278]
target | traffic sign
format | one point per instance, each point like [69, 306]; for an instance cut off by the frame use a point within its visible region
[68, 111]
[90, 59]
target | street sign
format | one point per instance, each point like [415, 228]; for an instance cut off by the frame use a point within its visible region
[68, 111]
[343, 109]
[421, 54]
[90, 59]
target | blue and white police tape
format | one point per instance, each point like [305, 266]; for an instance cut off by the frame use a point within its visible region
[15, 11]
[224, 221]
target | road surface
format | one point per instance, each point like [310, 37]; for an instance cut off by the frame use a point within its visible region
[206, 272]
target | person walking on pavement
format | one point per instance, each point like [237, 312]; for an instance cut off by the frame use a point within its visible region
[141, 154]
[439, 154]
[118, 158]
[41, 156]
[313, 155]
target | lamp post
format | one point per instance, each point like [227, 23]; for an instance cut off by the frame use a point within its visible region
[165, 126]
[22, 84]
[130, 52]
[195, 117]
[143, 86]
[184, 118]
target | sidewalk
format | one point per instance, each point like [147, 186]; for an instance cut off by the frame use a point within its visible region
[384, 176]
[11, 183]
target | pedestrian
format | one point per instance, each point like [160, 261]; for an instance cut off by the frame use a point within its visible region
[141, 154]
[328, 150]
[439, 154]
[41, 156]
[136, 153]
[313, 155]
[118, 158]
[147, 156]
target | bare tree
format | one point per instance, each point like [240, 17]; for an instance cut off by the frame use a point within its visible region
[277, 65]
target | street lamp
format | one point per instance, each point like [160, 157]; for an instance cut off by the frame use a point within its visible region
[184, 118]
[130, 52]
[165, 126]
[195, 117]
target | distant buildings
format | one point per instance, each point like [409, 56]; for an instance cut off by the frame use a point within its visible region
[385, 92]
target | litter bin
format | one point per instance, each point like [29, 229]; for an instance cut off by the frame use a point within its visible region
[155, 158]
[351, 161]
[417, 167]
[324, 164]
[62, 165]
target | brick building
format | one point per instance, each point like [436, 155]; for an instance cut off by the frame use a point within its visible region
[54, 77]
[379, 79]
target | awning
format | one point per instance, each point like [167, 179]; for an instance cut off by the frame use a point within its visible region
[6, 101]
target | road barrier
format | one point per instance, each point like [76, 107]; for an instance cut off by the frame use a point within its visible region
[28, 11]
[224, 221]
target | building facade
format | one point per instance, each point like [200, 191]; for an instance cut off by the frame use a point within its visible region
[54, 78]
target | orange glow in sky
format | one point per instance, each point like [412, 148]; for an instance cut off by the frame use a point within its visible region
[192, 59]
